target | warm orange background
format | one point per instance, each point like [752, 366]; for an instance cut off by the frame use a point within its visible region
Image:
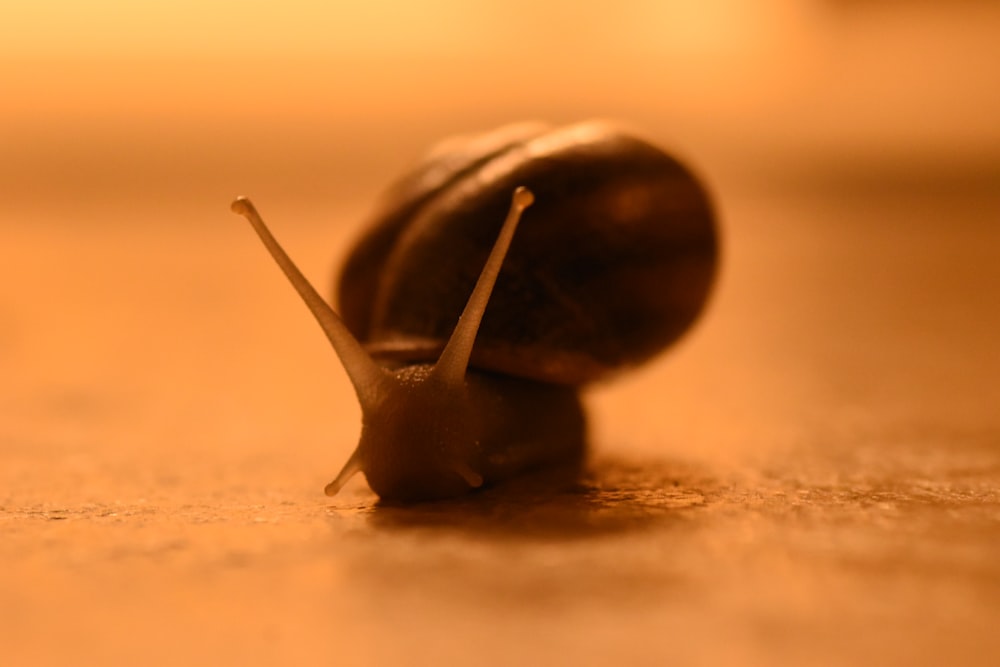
[810, 478]
[149, 99]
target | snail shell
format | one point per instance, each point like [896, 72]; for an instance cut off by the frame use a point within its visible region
[613, 262]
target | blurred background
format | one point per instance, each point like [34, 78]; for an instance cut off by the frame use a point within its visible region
[852, 147]
[155, 365]
[114, 99]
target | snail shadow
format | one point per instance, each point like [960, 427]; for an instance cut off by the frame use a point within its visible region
[604, 496]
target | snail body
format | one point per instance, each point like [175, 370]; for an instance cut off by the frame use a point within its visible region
[614, 262]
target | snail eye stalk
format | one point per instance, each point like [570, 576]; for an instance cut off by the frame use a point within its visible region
[454, 360]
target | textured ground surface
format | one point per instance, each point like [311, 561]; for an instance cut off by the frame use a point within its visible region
[812, 478]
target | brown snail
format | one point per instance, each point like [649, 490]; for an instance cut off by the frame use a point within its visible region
[613, 262]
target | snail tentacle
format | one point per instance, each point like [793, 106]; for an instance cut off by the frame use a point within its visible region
[454, 360]
[350, 469]
[369, 379]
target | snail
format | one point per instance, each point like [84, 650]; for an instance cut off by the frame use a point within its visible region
[467, 346]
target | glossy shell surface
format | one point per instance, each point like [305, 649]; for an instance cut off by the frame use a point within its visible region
[613, 262]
